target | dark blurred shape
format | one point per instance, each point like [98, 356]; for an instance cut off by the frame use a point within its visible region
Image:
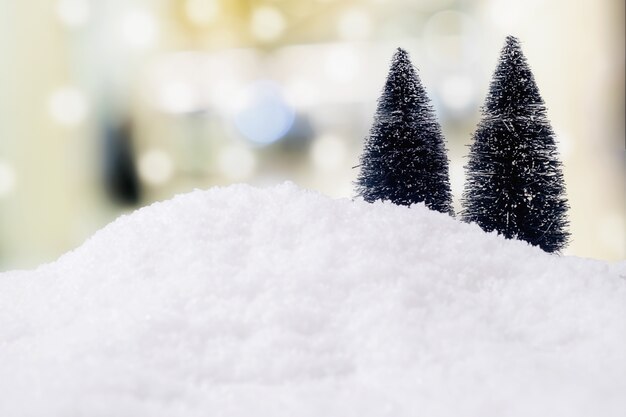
[299, 136]
[120, 172]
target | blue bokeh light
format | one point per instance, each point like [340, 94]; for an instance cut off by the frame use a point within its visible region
[266, 117]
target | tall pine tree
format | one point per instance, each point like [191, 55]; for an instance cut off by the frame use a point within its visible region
[514, 182]
[404, 160]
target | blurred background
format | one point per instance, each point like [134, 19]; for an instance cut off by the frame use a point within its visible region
[109, 105]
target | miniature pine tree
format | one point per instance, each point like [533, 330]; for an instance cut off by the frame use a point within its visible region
[514, 181]
[404, 160]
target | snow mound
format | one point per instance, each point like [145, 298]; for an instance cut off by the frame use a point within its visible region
[245, 302]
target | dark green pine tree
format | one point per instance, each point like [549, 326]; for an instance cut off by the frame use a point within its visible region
[514, 181]
[404, 160]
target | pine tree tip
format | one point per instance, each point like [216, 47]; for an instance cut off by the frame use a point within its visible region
[512, 41]
[401, 52]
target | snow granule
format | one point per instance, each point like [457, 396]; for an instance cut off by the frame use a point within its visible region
[247, 302]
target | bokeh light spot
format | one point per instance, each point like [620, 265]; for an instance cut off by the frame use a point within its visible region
[73, 13]
[155, 167]
[176, 97]
[202, 12]
[139, 28]
[264, 116]
[68, 106]
[267, 23]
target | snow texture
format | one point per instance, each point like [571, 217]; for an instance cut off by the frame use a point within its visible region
[245, 302]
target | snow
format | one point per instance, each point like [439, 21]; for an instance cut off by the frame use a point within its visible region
[241, 301]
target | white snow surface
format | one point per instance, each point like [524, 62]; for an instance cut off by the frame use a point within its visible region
[241, 302]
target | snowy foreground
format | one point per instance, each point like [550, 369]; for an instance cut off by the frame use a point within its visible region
[281, 302]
